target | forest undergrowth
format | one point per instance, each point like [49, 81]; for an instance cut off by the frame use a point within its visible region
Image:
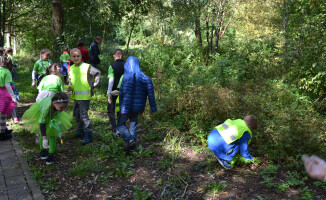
[172, 160]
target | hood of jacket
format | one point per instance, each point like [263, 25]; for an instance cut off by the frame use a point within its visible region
[132, 66]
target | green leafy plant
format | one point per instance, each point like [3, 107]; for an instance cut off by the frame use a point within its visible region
[216, 188]
[165, 163]
[140, 195]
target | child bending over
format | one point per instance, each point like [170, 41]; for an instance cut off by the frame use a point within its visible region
[48, 117]
[228, 138]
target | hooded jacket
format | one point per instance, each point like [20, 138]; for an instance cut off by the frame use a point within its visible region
[135, 89]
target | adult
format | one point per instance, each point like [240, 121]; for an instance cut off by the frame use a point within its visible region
[85, 55]
[94, 60]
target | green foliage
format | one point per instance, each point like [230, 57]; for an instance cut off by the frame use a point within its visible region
[216, 188]
[307, 195]
[49, 185]
[86, 166]
[139, 195]
[295, 179]
[238, 160]
[165, 163]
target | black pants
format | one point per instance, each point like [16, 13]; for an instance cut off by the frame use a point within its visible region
[111, 112]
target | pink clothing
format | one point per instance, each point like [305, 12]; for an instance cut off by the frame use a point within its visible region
[6, 104]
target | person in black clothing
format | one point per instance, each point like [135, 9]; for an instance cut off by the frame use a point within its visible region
[116, 70]
[94, 60]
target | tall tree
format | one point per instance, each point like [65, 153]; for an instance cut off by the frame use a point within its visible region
[57, 23]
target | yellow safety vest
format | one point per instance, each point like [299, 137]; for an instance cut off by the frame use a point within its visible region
[232, 130]
[80, 86]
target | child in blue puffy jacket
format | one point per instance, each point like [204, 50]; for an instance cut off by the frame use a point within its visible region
[136, 87]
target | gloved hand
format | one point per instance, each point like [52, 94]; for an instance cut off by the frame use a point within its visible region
[45, 144]
[315, 167]
[33, 83]
[115, 93]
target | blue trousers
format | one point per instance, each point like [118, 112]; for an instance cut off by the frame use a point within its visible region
[129, 135]
[64, 68]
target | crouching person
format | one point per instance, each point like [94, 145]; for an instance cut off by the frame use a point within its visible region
[228, 138]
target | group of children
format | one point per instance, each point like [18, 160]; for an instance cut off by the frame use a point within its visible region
[128, 90]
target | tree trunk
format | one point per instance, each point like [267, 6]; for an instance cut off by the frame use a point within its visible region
[57, 23]
[102, 41]
[198, 31]
[207, 40]
[15, 45]
[8, 39]
[219, 25]
[285, 15]
[212, 29]
[90, 26]
[131, 30]
[3, 22]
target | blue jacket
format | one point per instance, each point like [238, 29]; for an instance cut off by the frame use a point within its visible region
[135, 88]
[94, 52]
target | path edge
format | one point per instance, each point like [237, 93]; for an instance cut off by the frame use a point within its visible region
[36, 192]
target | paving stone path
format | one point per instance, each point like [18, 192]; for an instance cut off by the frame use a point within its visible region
[15, 179]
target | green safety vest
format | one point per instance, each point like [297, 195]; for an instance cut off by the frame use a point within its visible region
[79, 81]
[232, 130]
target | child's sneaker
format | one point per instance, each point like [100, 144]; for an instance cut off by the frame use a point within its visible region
[44, 154]
[16, 120]
[131, 146]
[224, 163]
[50, 159]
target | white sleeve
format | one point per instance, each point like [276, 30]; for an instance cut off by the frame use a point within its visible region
[33, 74]
[111, 81]
[9, 89]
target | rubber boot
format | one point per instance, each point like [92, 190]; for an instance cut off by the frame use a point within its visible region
[88, 138]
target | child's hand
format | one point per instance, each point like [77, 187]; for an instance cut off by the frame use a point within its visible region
[45, 144]
[33, 83]
[315, 167]
[109, 98]
[115, 93]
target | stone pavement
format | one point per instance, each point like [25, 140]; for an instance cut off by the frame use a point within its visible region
[15, 179]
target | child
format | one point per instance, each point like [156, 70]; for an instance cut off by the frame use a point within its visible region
[230, 137]
[51, 83]
[64, 58]
[14, 75]
[81, 83]
[85, 55]
[7, 97]
[40, 66]
[48, 117]
[115, 72]
[135, 89]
